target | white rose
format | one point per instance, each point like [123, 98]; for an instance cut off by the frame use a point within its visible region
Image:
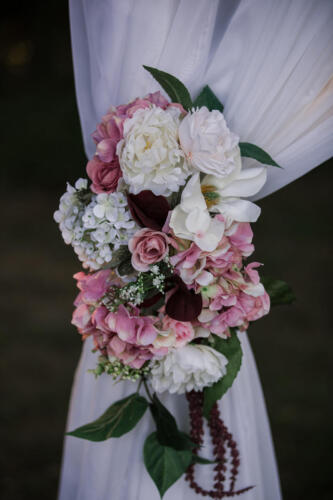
[208, 144]
[191, 367]
[149, 154]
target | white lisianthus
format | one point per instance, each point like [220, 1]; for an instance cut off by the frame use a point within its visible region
[223, 195]
[149, 154]
[191, 367]
[191, 220]
[208, 144]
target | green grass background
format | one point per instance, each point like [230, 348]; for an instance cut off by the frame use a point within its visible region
[41, 148]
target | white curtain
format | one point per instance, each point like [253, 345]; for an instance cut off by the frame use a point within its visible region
[270, 62]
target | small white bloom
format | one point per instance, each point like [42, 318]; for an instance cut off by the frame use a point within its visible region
[191, 220]
[207, 142]
[188, 368]
[149, 154]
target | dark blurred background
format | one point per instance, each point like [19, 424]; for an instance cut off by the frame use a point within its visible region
[41, 149]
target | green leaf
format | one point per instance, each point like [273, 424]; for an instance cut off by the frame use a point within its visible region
[253, 151]
[175, 89]
[165, 465]
[119, 419]
[201, 460]
[167, 429]
[125, 268]
[208, 98]
[119, 256]
[279, 291]
[232, 350]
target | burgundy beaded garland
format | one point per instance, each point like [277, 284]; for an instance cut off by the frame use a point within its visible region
[221, 439]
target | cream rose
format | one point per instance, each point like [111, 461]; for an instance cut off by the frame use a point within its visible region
[149, 154]
[208, 144]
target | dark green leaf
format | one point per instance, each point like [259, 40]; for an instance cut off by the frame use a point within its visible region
[232, 350]
[119, 256]
[165, 465]
[279, 291]
[119, 419]
[125, 268]
[208, 98]
[201, 460]
[253, 151]
[175, 89]
[167, 430]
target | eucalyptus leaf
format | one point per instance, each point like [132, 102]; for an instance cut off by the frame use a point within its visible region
[279, 291]
[117, 420]
[232, 350]
[252, 151]
[164, 464]
[208, 98]
[175, 89]
[167, 429]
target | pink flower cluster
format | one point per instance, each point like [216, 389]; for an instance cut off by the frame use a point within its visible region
[104, 169]
[124, 334]
[232, 294]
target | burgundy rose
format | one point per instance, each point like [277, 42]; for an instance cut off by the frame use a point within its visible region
[104, 176]
[148, 247]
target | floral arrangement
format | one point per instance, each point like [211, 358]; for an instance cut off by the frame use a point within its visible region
[164, 233]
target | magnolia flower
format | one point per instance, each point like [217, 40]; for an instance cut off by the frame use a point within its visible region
[191, 220]
[208, 144]
[149, 154]
[223, 194]
[191, 367]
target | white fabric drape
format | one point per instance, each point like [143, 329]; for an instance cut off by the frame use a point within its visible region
[270, 62]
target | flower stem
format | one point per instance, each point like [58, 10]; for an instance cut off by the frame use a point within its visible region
[147, 390]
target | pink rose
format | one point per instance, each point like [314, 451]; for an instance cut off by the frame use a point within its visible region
[148, 247]
[104, 176]
[183, 330]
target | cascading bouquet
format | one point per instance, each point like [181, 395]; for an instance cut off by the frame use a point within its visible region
[164, 233]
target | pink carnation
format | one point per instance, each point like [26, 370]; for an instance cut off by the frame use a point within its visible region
[104, 176]
[148, 247]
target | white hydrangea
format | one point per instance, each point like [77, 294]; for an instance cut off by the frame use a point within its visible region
[149, 154]
[96, 228]
[191, 367]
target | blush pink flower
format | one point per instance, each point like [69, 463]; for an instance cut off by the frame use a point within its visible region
[82, 320]
[234, 316]
[254, 307]
[190, 264]
[148, 247]
[93, 286]
[240, 236]
[104, 176]
[132, 328]
[183, 330]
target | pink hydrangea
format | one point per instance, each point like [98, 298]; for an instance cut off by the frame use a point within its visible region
[182, 330]
[82, 320]
[240, 236]
[132, 328]
[254, 307]
[93, 286]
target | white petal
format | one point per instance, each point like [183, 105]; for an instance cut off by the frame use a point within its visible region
[198, 221]
[247, 183]
[238, 210]
[192, 196]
